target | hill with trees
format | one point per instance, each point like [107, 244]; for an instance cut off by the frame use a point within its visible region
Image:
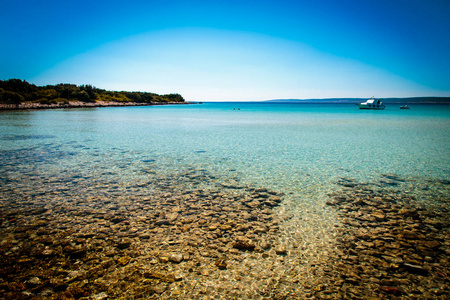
[21, 94]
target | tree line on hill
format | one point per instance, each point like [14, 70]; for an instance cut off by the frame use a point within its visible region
[16, 91]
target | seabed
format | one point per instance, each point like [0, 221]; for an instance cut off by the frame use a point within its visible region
[195, 236]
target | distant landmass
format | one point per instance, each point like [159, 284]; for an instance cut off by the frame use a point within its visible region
[417, 100]
[19, 94]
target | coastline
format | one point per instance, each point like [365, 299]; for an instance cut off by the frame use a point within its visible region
[80, 104]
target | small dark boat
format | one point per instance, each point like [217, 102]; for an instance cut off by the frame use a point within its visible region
[404, 107]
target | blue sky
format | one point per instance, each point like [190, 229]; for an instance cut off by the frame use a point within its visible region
[232, 50]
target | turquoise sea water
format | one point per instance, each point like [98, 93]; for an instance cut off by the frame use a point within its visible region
[280, 145]
[301, 150]
[83, 163]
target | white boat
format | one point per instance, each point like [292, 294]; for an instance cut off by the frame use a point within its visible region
[371, 103]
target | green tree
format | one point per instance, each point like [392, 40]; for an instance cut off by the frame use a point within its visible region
[46, 93]
[18, 86]
[16, 91]
[81, 96]
[90, 90]
[8, 97]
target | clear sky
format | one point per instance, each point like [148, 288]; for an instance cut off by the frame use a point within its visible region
[232, 50]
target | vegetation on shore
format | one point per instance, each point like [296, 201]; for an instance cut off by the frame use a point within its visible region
[17, 92]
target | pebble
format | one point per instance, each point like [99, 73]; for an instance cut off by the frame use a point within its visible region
[175, 257]
[221, 263]
[386, 242]
[187, 239]
[280, 250]
[100, 296]
[35, 281]
[122, 261]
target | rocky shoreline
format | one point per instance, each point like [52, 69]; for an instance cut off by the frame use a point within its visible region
[79, 104]
[164, 246]
[389, 246]
[213, 239]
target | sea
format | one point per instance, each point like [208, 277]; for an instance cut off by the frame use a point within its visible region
[300, 149]
[303, 151]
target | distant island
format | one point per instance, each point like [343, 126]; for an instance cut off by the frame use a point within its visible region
[407, 100]
[19, 94]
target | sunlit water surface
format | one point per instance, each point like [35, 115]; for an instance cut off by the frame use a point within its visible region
[301, 150]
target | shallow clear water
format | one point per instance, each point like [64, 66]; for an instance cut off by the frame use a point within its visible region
[78, 163]
[300, 149]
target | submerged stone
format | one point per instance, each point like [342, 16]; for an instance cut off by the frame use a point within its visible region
[122, 261]
[221, 263]
[280, 250]
[176, 257]
[244, 246]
